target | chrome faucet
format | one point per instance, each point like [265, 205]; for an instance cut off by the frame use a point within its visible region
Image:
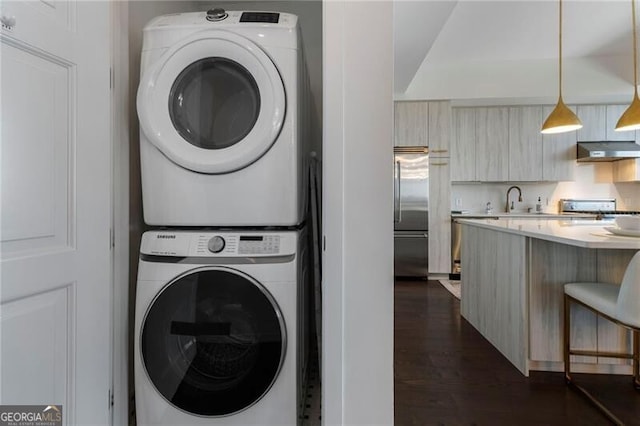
[508, 208]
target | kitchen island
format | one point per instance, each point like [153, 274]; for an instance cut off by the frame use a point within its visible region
[512, 288]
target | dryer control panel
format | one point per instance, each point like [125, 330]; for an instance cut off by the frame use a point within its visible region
[219, 244]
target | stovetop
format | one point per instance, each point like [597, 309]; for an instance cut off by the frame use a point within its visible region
[600, 207]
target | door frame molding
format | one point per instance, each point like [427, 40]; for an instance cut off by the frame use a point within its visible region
[120, 94]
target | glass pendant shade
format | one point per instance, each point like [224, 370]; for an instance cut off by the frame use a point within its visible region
[561, 119]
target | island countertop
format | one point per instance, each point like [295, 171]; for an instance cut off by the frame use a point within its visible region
[579, 233]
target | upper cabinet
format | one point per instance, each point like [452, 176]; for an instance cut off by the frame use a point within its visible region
[599, 123]
[626, 170]
[594, 118]
[411, 121]
[525, 143]
[507, 145]
[423, 124]
[613, 114]
[439, 128]
[558, 153]
[492, 144]
[463, 144]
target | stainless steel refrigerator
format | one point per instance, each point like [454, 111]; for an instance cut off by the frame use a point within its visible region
[411, 210]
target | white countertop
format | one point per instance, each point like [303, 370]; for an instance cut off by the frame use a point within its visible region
[579, 233]
[522, 215]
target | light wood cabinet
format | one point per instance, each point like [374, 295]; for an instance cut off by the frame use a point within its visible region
[626, 170]
[492, 144]
[463, 145]
[558, 153]
[613, 114]
[525, 143]
[594, 120]
[501, 144]
[551, 265]
[518, 304]
[599, 123]
[411, 121]
[439, 216]
[439, 128]
[429, 124]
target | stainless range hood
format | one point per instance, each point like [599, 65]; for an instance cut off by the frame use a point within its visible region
[607, 150]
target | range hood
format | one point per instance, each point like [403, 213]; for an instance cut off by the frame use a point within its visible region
[607, 150]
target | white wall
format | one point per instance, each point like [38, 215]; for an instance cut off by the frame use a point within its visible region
[357, 370]
[523, 82]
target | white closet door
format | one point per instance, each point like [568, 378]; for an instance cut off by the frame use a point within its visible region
[55, 171]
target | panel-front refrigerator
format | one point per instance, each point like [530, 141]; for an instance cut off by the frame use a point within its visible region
[411, 210]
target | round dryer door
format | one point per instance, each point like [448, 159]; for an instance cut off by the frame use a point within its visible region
[213, 342]
[213, 103]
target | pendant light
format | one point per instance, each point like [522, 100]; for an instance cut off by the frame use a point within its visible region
[630, 120]
[561, 119]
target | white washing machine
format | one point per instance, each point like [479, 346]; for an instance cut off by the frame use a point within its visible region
[221, 105]
[220, 328]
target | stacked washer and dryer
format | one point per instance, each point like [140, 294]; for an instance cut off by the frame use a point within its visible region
[220, 319]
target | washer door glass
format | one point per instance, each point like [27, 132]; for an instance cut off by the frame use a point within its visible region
[214, 103]
[213, 342]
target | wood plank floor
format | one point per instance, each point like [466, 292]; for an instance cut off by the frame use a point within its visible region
[446, 373]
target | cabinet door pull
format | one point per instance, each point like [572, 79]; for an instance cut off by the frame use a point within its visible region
[439, 151]
[439, 164]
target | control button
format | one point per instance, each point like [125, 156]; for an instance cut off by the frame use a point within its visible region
[217, 14]
[216, 244]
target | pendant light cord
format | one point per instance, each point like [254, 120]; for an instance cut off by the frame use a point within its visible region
[635, 48]
[560, 49]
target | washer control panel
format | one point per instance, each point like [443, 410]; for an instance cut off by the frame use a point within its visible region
[216, 244]
[259, 244]
[219, 244]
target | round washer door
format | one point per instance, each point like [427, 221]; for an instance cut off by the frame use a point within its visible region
[213, 103]
[213, 341]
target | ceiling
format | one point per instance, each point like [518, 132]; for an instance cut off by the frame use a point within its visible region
[467, 33]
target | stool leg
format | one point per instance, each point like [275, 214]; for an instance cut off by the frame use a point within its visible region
[567, 339]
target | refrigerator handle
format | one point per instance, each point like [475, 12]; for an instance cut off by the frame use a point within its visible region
[396, 195]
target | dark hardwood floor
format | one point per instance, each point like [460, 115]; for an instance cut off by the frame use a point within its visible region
[446, 373]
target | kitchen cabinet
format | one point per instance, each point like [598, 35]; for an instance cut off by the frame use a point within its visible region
[411, 121]
[613, 114]
[547, 279]
[439, 128]
[439, 216]
[492, 144]
[500, 144]
[558, 153]
[518, 305]
[599, 123]
[626, 170]
[463, 145]
[593, 119]
[525, 143]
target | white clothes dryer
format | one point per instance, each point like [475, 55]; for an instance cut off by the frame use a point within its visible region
[219, 328]
[222, 120]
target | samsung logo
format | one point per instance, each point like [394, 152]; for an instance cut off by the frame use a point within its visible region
[168, 237]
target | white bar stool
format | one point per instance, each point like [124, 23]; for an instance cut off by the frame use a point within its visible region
[617, 303]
